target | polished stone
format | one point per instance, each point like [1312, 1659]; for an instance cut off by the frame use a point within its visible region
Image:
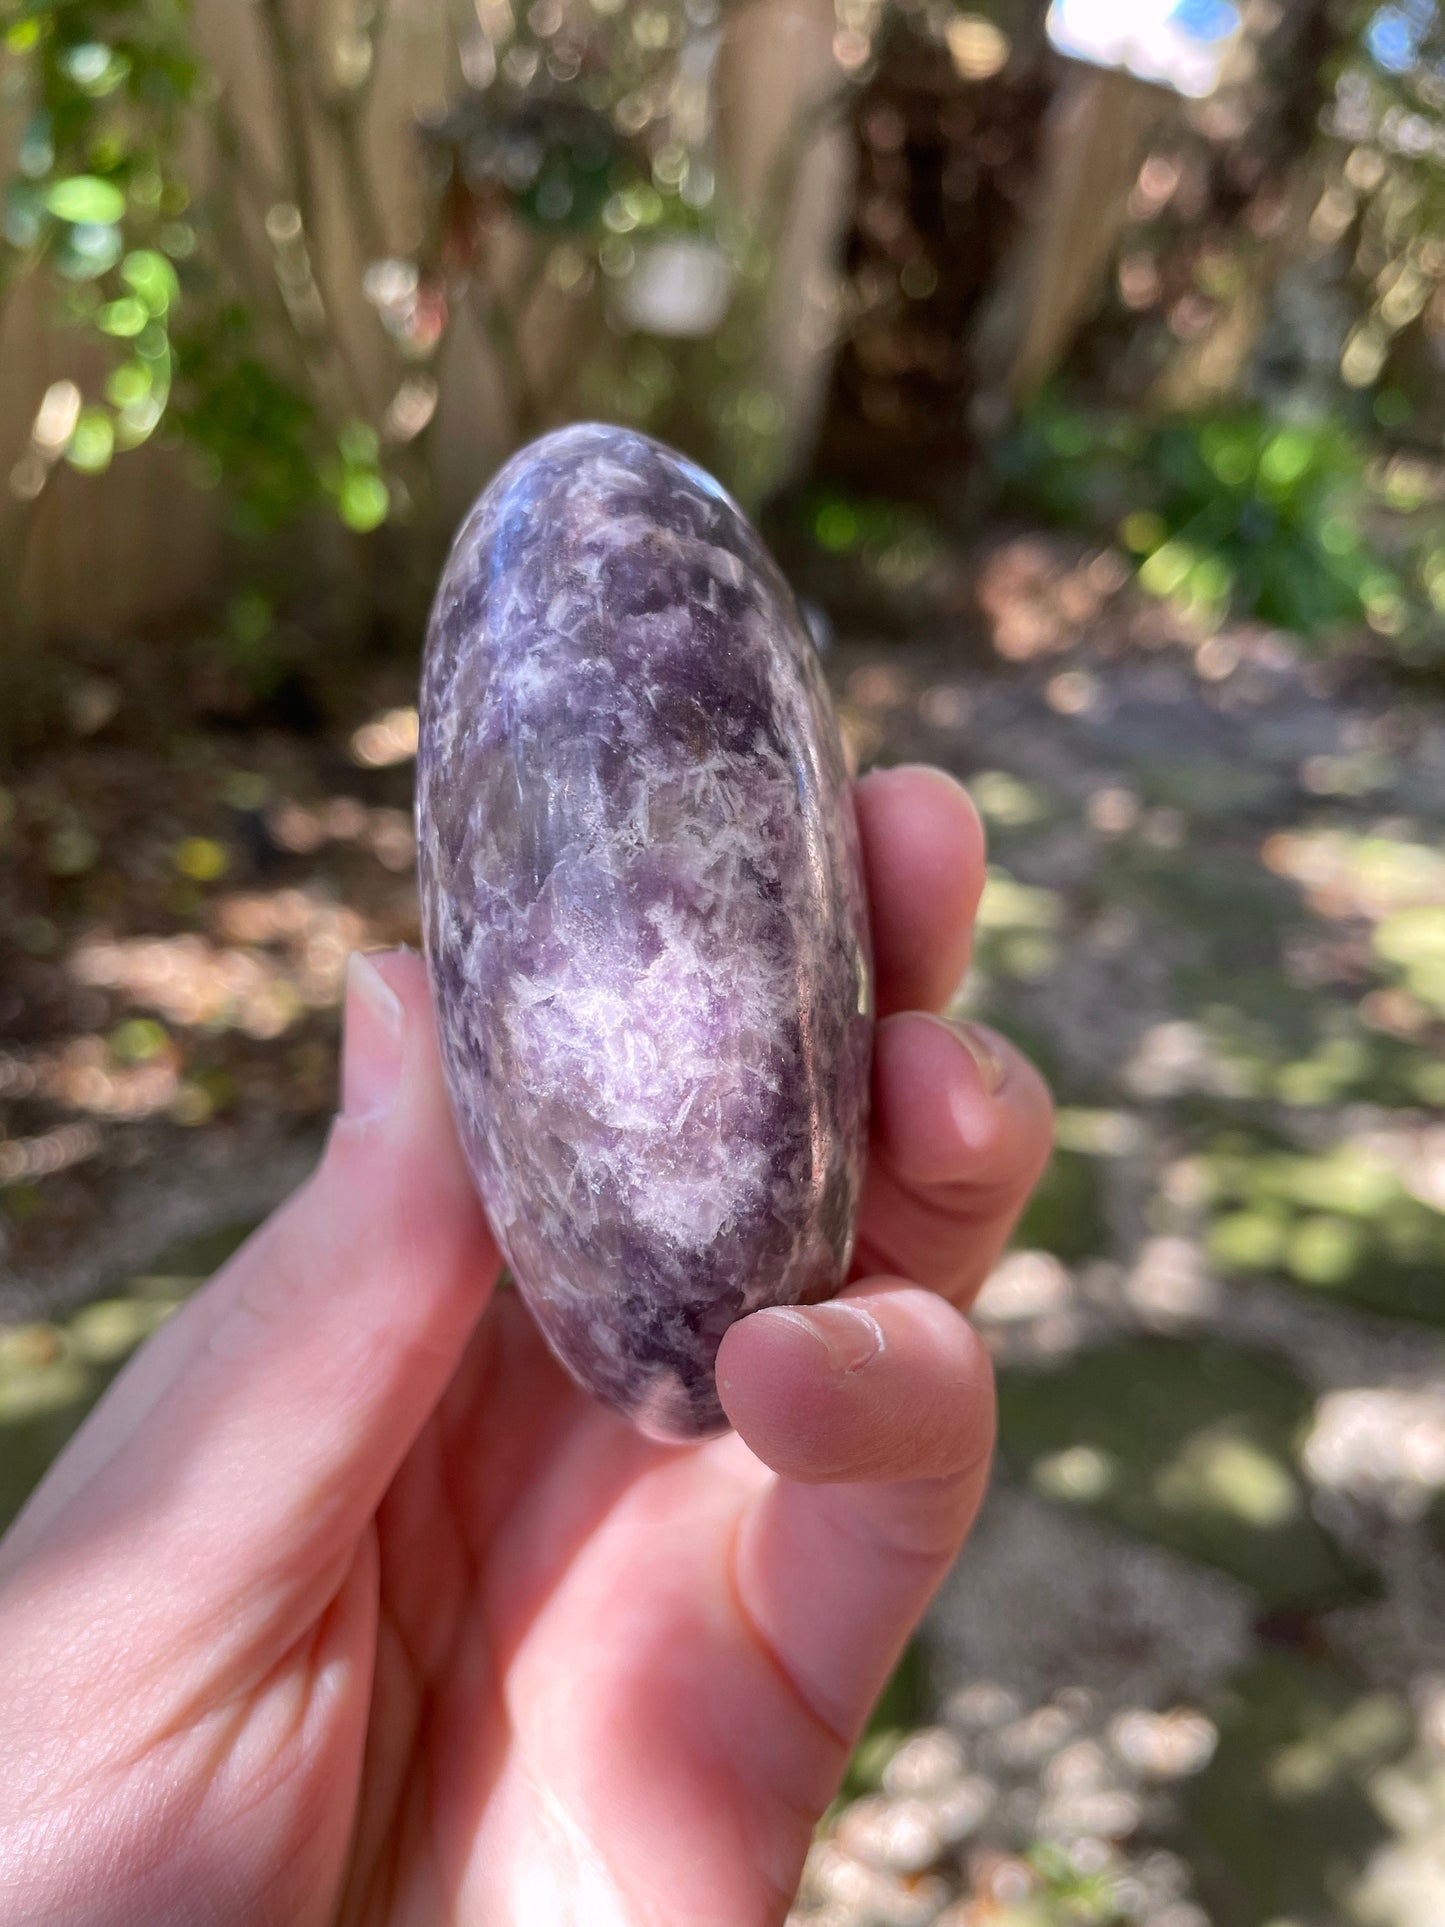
[645, 915]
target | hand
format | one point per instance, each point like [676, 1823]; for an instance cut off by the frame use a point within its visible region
[346, 1605]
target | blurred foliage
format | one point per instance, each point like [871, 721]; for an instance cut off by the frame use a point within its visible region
[897, 540]
[98, 193]
[583, 136]
[1064, 1896]
[1234, 514]
[151, 272]
[244, 423]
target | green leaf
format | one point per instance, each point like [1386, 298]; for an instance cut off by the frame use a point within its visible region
[1286, 458]
[124, 318]
[1168, 567]
[150, 276]
[85, 198]
[363, 501]
[128, 384]
[92, 442]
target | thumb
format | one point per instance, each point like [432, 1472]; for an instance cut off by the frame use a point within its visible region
[249, 1444]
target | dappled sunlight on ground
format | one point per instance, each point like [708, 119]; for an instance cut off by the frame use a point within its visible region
[1385, 1444]
[176, 942]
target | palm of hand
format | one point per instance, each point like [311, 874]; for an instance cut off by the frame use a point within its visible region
[581, 1723]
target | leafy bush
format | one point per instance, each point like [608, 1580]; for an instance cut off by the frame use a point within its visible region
[1231, 513]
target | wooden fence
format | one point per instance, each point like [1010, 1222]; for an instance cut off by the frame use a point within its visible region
[141, 544]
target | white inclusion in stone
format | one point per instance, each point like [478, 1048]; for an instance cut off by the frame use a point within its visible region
[648, 1066]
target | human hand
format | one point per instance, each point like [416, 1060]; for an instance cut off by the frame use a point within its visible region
[347, 1606]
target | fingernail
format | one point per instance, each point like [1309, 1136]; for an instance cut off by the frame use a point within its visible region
[371, 1057]
[851, 1336]
[980, 1049]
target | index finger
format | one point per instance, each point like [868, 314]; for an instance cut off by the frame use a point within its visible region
[923, 853]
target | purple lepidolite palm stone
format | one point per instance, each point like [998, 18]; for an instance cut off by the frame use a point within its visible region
[645, 915]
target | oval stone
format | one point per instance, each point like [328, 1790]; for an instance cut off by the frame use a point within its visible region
[645, 915]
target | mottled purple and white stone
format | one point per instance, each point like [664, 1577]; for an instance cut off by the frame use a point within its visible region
[645, 915]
